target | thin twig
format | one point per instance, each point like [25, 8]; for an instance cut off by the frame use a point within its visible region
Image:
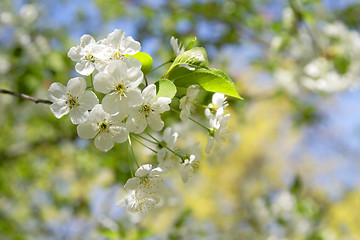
[27, 97]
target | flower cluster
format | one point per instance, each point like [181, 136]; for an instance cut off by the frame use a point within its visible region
[321, 59]
[128, 106]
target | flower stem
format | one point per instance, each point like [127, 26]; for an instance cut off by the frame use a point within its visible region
[92, 82]
[132, 151]
[135, 138]
[162, 145]
[160, 66]
[208, 129]
[131, 170]
[137, 135]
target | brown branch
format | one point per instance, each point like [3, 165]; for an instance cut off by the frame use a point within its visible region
[27, 97]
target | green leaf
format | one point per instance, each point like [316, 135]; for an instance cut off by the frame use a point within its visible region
[212, 80]
[296, 185]
[145, 59]
[194, 58]
[165, 88]
[341, 64]
[191, 43]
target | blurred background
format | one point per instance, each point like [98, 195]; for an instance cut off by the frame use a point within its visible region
[288, 170]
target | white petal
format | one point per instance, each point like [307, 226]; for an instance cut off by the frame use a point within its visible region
[112, 103]
[117, 70]
[56, 91]
[101, 52]
[185, 114]
[218, 99]
[76, 86]
[87, 130]
[74, 53]
[143, 170]
[149, 93]
[132, 62]
[156, 171]
[131, 46]
[59, 109]
[86, 39]
[185, 172]
[119, 133]
[193, 91]
[133, 97]
[104, 82]
[115, 38]
[136, 124]
[155, 122]
[209, 144]
[88, 100]
[161, 104]
[97, 114]
[85, 67]
[132, 183]
[103, 142]
[78, 115]
[135, 76]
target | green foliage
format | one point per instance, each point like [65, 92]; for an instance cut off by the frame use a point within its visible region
[165, 88]
[146, 61]
[193, 58]
[212, 80]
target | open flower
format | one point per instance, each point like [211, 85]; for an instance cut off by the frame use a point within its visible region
[121, 86]
[120, 44]
[168, 160]
[72, 99]
[105, 128]
[218, 130]
[191, 164]
[216, 108]
[188, 101]
[141, 191]
[148, 112]
[88, 54]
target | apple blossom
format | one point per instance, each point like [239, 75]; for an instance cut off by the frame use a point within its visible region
[121, 86]
[105, 128]
[72, 99]
[148, 112]
[188, 101]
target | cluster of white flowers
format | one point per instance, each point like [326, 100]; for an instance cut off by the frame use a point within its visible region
[324, 60]
[130, 105]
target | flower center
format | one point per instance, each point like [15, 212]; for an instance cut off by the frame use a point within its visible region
[71, 101]
[117, 55]
[104, 126]
[90, 58]
[120, 88]
[146, 109]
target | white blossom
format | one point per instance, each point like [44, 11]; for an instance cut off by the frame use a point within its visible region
[105, 128]
[148, 112]
[120, 44]
[121, 86]
[29, 13]
[142, 190]
[217, 106]
[218, 131]
[88, 54]
[72, 99]
[177, 47]
[188, 101]
[168, 160]
[191, 164]
[122, 48]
